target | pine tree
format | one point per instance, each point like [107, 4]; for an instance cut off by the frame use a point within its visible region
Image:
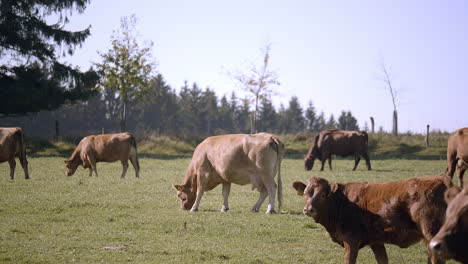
[331, 123]
[268, 117]
[320, 123]
[294, 116]
[32, 78]
[310, 117]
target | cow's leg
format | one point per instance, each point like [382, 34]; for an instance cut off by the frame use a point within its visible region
[124, 169]
[461, 171]
[357, 158]
[430, 225]
[329, 161]
[351, 252]
[12, 164]
[451, 165]
[90, 172]
[136, 165]
[261, 198]
[196, 205]
[271, 189]
[226, 191]
[365, 155]
[24, 165]
[380, 253]
[323, 162]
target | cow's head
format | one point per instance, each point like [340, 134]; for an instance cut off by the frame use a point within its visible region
[452, 238]
[313, 154]
[186, 196]
[70, 166]
[317, 194]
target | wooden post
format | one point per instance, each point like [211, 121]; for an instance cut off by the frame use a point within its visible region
[102, 131]
[427, 136]
[372, 124]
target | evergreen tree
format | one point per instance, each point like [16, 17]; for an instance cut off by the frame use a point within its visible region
[282, 120]
[208, 114]
[267, 116]
[346, 121]
[310, 117]
[294, 116]
[244, 117]
[189, 110]
[31, 76]
[320, 123]
[331, 123]
[225, 117]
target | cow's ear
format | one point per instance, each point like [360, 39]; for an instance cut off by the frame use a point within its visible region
[333, 188]
[178, 187]
[300, 187]
[451, 193]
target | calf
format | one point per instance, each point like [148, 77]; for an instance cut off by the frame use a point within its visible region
[457, 153]
[12, 145]
[104, 148]
[360, 214]
[451, 242]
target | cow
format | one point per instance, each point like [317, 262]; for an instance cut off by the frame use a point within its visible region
[12, 145]
[457, 153]
[360, 214]
[338, 142]
[452, 239]
[235, 158]
[104, 148]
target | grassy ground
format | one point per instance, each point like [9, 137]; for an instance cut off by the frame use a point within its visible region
[57, 219]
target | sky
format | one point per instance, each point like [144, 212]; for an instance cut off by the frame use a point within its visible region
[326, 52]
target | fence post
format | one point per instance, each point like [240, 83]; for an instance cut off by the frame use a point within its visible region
[372, 124]
[427, 136]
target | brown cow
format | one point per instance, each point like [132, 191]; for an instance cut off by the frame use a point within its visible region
[239, 159]
[338, 142]
[12, 144]
[451, 242]
[360, 214]
[104, 148]
[457, 153]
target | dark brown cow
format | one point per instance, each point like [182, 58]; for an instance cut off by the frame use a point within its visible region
[339, 142]
[12, 145]
[104, 148]
[360, 214]
[457, 153]
[451, 242]
[239, 159]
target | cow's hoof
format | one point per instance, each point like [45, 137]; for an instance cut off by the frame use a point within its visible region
[270, 212]
[194, 210]
[224, 209]
[254, 210]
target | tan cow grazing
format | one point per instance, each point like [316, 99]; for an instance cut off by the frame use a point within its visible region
[339, 142]
[104, 148]
[451, 242]
[239, 159]
[360, 214]
[12, 145]
[457, 153]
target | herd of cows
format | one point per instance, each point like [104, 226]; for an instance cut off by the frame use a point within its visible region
[355, 215]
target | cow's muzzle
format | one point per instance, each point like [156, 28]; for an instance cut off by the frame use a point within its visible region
[439, 248]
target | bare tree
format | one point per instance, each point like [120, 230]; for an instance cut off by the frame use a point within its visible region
[387, 79]
[258, 81]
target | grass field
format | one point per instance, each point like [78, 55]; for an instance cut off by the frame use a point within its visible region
[57, 219]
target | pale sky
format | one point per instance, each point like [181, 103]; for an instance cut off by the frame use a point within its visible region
[324, 51]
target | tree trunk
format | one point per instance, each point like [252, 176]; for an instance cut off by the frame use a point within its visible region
[395, 123]
[254, 128]
[372, 124]
[123, 121]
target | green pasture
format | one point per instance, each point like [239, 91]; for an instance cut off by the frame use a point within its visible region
[57, 219]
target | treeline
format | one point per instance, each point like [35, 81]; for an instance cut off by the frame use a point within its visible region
[192, 112]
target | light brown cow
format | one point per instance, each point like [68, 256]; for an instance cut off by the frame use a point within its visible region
[360, 214]
[12, 144]
[104, 148]
[451, 242]
[239, 159]
[338, 142]
[457, 153]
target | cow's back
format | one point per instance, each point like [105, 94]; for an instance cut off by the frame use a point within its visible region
[108, 147]
[403, 206]
[10, 142]
[236, 157]
[344, 142]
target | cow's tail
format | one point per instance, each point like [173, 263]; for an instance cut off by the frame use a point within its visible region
[22, 153]
[279, 147]
[134, 146]
[366, 137]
